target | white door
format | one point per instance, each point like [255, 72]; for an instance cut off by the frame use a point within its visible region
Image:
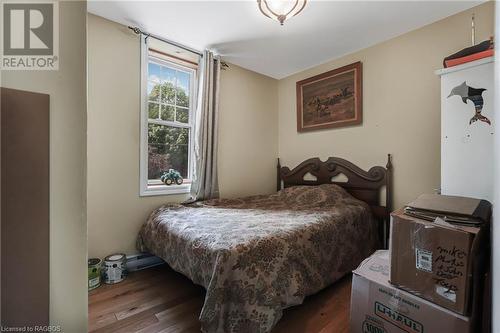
[467, 136]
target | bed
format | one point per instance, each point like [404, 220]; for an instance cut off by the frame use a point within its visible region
[258, 255]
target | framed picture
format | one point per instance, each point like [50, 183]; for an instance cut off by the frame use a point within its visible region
[332, 99]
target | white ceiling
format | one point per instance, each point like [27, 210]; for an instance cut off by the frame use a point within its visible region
[242, 35]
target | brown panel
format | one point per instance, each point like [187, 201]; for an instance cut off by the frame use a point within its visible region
[25, 208]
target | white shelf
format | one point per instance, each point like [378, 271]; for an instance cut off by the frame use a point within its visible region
[464, 66]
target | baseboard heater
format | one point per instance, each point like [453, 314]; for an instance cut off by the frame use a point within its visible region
[138, 261]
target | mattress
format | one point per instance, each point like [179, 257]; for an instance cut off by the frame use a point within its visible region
[261, 254]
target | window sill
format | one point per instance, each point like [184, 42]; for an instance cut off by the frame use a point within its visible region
[152, 190]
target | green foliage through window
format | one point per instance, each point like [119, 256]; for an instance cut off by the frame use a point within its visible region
[168, 113]
[168, 148]
[173, 100]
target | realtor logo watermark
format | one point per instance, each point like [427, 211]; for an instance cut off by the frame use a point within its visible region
[30, 35]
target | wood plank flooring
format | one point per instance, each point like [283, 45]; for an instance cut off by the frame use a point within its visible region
[161, 300]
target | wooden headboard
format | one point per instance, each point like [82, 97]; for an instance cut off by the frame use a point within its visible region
[363, 185]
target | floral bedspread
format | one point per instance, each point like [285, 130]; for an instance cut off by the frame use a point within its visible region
[261, 254]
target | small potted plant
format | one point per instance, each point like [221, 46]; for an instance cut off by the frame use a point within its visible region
[171, 176]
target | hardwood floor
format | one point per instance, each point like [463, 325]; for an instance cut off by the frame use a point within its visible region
[161, 300]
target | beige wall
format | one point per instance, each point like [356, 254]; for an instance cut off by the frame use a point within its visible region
[248, 146]
[66, 87]
[115, 210]
[401, 105]
[248, 137]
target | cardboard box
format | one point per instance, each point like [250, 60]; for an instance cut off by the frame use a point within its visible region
[433, 260]
[379, 307]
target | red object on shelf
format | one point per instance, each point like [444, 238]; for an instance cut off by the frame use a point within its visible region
[469, 58]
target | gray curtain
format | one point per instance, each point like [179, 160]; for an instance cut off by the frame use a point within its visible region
[205, 181]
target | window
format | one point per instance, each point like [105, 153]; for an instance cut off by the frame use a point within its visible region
[167, 122]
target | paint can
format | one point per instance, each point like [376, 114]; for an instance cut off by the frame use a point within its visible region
[114, 268]
[94, 273]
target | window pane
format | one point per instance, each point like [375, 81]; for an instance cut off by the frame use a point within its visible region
[182, 89]
[167, 93]
[153, 91]
[153, 110]
[168, 148]
[153, 72]
[168, 75]
[182, 115]
[167, 112]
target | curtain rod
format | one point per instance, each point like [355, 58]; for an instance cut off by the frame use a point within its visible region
[140, 32]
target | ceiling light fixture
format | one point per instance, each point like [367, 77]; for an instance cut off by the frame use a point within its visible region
[281, 10]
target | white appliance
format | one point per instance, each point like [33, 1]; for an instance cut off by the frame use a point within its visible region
[467, 129]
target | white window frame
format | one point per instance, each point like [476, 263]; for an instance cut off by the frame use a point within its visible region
[147, 188]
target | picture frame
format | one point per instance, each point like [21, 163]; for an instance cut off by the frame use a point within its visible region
[330, 100]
